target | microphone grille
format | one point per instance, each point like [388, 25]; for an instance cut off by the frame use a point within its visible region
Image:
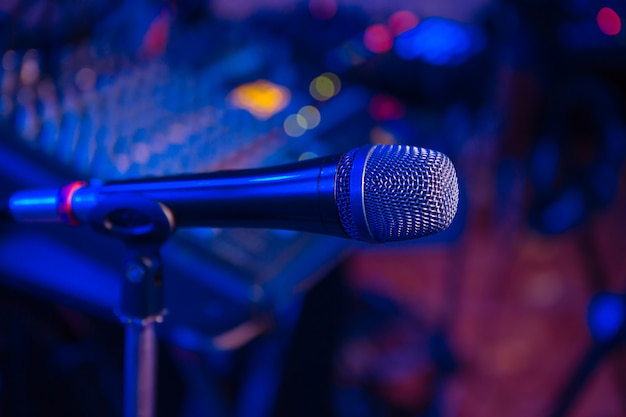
[407, 193]
[342, 194]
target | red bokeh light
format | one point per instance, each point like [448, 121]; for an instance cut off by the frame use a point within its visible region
[385, 107]
[157, 36]
[378, 38]
[609, 21]
[401, 21]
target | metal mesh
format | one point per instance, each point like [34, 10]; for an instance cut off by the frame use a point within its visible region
[409, 192]
[342, 195]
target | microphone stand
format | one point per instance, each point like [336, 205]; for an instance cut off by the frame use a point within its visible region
[144, 225]
[141, 308]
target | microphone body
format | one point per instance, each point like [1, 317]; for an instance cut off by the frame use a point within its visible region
[297, 196]
[373, 193]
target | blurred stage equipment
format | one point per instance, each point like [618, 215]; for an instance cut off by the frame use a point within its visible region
[374, 193]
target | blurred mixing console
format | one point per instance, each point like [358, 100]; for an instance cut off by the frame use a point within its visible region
[158, 89]
[181, 101]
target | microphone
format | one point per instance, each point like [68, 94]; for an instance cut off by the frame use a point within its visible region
[375, 193]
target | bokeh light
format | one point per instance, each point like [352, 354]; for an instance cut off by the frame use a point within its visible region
[309, 117]
[325, 86]
[307, 155]
[293, 125]
[378, 38]
[140, 153]
[29, 73]
[609, 21]
[401, 21]
[261, 98]
[385, 107]
[440, 41]
[380, 136]
[606, 315]
[157, 36]
[86, 79]
[122, 163]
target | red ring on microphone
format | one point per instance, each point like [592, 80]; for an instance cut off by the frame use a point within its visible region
[65, 202]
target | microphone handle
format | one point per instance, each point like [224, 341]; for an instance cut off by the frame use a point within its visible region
[298, 196]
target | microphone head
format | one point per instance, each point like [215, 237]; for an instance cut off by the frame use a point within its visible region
[389, 193]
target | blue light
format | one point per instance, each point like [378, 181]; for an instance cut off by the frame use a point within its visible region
[606, 316]
[440, 41]
[35, 201]
[273, 178]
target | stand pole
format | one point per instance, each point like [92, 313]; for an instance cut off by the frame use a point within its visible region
[141, 309]
[140, 369]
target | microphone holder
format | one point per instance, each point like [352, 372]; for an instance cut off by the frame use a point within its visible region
[141, 307]
[144, 225]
